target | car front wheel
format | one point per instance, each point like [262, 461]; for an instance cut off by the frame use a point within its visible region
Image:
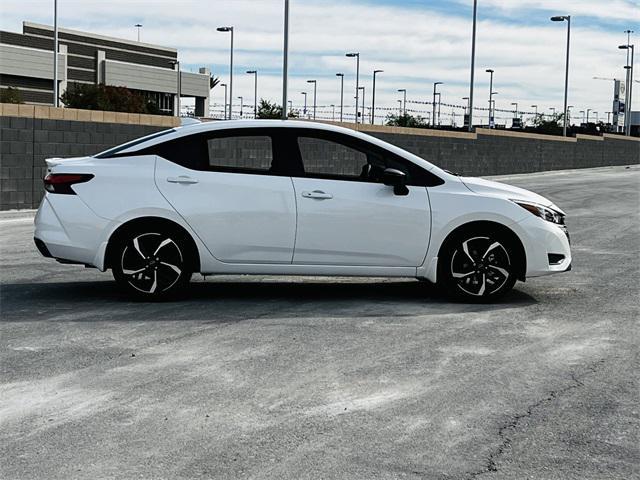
[478, 266]
[151, 265]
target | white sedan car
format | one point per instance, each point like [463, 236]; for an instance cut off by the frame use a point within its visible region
[291, 198]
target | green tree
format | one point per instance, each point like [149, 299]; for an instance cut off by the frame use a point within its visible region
[108, 98]
[406, 120]
[549, 126]
[10, 95]
[267, 109]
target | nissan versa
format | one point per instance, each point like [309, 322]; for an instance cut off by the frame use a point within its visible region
[291, 198]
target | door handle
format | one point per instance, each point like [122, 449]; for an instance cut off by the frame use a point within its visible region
[182, 179]
[317, 194]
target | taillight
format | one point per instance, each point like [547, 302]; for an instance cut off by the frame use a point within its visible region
[62, 182]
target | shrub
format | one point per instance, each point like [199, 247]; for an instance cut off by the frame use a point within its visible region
[106, 97]
[10, 95]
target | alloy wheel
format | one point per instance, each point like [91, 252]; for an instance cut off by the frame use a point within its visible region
[152, 263]
[480, 266]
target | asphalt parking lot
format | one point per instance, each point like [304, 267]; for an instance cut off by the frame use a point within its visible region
[294, 378]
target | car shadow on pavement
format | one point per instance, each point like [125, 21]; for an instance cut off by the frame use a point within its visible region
[236, 298]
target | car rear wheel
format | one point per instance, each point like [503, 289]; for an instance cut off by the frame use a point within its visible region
[152, 265]
[478, 266]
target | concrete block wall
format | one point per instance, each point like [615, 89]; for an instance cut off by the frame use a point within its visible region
[29, 134]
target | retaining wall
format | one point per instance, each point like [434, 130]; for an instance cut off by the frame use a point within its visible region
[29, 134]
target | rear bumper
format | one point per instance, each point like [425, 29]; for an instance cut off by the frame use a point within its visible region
[67, 230]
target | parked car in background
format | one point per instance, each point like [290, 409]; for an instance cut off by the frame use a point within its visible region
[291, 198]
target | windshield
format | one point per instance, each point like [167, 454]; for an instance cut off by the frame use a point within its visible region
[132, 143]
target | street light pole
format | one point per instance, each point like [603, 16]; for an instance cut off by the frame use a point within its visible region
[373, 96]
[399, 107]
[315, 91]
[357, 56]
[404, 105]
[439, 105]
[241, 105]
[304, 110]
[255, 92]
[341, 75]
[362, 88]
[629, 78]
[490, 72]
[176, 63]
[333, 112]
[229, 29]
[588, 110]
[435, 84]
[138, 27]
[285, 59]
[561, 18]
[56, 94]
[473, 63]
[225, 98]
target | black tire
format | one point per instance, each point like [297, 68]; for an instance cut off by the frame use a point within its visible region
[478, 266]
[151, 263]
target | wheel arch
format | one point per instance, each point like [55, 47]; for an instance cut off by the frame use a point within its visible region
[152, 222]
[484, 225]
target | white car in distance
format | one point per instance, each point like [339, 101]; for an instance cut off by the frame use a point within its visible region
[291, 198]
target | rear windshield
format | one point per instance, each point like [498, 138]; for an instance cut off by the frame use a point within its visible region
[132, 143]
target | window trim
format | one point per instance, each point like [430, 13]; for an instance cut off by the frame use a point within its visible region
[363, 147]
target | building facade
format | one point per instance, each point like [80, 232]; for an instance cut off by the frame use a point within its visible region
[26, 63]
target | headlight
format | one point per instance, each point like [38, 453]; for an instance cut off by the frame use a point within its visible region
[544, 213]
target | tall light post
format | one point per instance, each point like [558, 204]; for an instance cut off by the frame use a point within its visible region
[285, 59]
[255, 91]
[404, 104]
[536, 114]
[138, 27]
[241, 105]
[362, 88]
[490, 72]
[290, 102]
[399, 107]
[56, 94]
[333, 112]
[373, 96]
[569, 107]
[357, 57]
[315, 91]
[492, 107]
[439, 102]
[341, 75]
[225, 99]
[588, 110]
[516, 110]
[473, 63]
[176, 65]
[582, 112]
[435, 84]
[562, 18]
[230, 30]
[468, 103]
[304, 110]
[629, 68]
[595, 112]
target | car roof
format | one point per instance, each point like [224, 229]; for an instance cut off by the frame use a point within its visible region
[208, 126]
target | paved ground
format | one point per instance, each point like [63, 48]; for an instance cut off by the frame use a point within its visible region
[294, 379]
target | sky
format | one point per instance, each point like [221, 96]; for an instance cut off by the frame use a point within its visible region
[415, 42]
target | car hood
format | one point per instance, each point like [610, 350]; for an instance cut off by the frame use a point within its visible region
[508, 192]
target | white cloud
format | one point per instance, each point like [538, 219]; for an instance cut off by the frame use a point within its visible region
[415, 46]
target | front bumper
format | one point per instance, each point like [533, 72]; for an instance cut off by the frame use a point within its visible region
[547, 246]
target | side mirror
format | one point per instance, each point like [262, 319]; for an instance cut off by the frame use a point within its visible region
[396, 179]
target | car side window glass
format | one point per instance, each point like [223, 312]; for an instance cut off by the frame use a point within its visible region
[326, 157]
[241, 152]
